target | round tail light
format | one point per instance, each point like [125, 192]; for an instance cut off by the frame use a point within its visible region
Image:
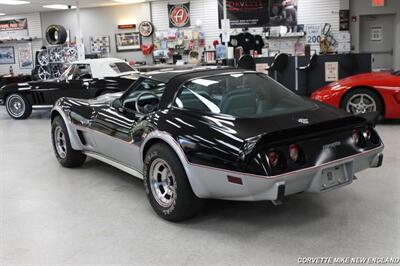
[273, 158]
[358, 139]
[372, 136]
[356, 136]
[294, 152]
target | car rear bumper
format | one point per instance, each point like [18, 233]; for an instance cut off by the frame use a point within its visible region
[221, 184]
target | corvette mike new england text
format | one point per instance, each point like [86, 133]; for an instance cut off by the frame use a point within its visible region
[348, 260]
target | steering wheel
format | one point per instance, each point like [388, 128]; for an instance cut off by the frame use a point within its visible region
[147, 108]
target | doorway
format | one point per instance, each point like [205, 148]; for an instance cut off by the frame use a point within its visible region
[377, 38]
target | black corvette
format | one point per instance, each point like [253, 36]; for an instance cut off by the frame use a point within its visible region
[84, 79]
[216, 133]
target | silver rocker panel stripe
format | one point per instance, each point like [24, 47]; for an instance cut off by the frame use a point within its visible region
[38, 107]
[117, 165]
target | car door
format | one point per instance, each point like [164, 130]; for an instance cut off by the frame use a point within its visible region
[75, 82]
[117, 128]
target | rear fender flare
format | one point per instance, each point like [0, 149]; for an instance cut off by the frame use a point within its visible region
[196, 184]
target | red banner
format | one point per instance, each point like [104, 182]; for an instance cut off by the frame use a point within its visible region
[14, 24]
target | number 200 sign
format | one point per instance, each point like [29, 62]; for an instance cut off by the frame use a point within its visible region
[313, 33]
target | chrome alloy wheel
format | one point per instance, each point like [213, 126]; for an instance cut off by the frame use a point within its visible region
[60, 142]
[162, 183]
[361, 104]
[16, 105]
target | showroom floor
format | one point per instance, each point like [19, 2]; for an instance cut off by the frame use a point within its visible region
[100, 215]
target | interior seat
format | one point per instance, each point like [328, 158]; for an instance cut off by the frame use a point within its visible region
[239, 102]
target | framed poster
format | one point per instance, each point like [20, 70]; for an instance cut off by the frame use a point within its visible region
[7, 56]
[259, 13]
[344, 18]
[128, 41]
[99, 44]
[283, 13]
[179, 15]
[25, 57]
[244, 14]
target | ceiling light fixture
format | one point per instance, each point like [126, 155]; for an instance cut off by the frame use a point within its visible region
[57, 6]
[2, 14]
[129, 1]
[14, 2]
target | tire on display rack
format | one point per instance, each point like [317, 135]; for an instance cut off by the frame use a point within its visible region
[56, 34]
[18, 107]
[167, 186]
[362, 100]
[65, 154]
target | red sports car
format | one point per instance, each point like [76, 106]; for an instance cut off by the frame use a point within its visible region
[369, 92]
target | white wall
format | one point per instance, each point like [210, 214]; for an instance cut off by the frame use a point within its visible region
[102, 21]
[363, 7]
[34, 31]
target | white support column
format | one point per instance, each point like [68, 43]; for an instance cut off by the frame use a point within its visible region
[79, 34]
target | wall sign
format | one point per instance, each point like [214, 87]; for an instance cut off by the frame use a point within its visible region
[313, 33]
[344, 18]
[259, 13]
[253, 13]
[331, 71]
[179, 15]
[378, 3]
[7, 56]
[146, 29]
[376, 33]
[14, 24]
[127, 26]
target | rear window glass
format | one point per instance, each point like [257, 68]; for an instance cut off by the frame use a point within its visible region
[121, 67]
[240, 95]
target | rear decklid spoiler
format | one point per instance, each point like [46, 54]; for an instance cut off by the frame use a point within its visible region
[371, 117]
[297, 133]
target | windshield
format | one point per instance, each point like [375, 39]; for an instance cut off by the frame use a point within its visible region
[241, 95]
[67, 73]
[148, 85]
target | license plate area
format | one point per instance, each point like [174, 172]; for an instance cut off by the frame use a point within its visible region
[334, 177]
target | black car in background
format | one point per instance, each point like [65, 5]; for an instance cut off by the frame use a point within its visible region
[83, 79]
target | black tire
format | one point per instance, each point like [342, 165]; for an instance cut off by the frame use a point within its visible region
[18, 107]
[371, 97]
[184, 204]
[56, 34]
[68, 157]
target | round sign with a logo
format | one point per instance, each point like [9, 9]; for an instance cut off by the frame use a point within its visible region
[146, 29]
[179, 16]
